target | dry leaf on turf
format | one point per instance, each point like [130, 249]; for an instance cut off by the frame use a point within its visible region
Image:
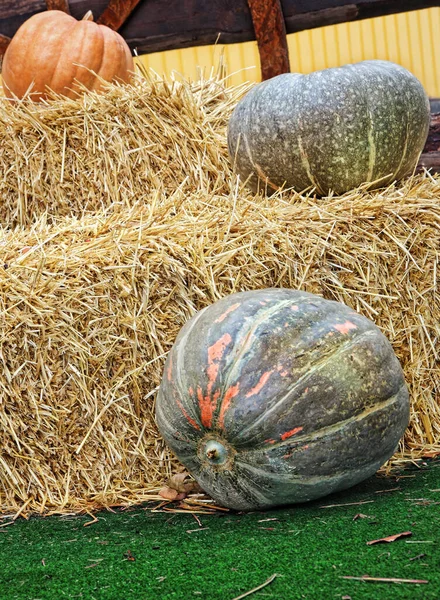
[170, 494]
[179, 486]
[129, 556]
[390, 538]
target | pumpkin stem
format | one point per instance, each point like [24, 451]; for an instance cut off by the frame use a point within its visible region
[88, 16]
[215, 452]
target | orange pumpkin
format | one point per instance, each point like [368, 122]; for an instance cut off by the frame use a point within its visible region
[54, 51]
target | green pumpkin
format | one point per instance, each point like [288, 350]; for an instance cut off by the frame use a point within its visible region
[276, 396]
[330, 130]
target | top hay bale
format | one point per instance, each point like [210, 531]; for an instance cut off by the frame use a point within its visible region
[95, 288]
[68, 157]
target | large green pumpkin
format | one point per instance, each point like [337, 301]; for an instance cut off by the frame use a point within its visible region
[330, 130]
[277, 396]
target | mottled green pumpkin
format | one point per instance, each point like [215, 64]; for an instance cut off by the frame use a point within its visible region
[330, 130]
[276, 396]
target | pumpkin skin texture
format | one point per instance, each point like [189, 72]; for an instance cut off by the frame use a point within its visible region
[331, 130]
[277, 396]
[52, 50]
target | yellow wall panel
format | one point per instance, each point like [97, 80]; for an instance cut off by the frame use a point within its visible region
[410, 39]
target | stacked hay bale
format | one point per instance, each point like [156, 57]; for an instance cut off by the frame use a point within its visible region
[120, 218]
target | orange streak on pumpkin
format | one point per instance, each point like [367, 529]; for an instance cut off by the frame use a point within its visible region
[208, 402]
[186, 415]
[231, 392]
[225, 314]
[215, 354]
[170, 369]
[345, 327]
[207, 407]
[289, 434]
[260, 384]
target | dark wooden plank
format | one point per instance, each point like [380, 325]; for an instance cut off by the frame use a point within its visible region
[171, 24]
[433, 141]
[430, 160]
[9, 9]
[14, 13]
[309, 14]
[270, 31]
[159, 25]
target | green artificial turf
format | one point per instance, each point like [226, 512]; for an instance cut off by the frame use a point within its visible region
[137, 554]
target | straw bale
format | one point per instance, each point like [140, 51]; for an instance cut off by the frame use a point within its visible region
[112, 150]
[95, 287]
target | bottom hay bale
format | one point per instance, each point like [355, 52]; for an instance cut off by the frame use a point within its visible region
[90, 307]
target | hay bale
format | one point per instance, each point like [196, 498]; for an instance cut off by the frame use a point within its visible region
[115, 149]
[92, 302]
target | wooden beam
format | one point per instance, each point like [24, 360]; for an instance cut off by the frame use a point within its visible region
[58, 5]
[117, 12]
[4, 43]
[270, 31]
[168, 24]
